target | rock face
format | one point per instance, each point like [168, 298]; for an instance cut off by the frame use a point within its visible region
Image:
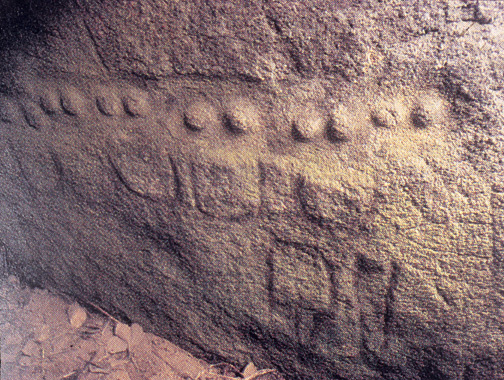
[311, 185]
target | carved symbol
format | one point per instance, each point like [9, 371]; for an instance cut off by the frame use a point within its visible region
[200, 115]
[72, 101]
[308, 123]
[224, 191]
[241, 117]
[143, 170]
[136, 103]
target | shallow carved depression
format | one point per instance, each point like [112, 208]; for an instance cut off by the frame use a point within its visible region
[332, 228]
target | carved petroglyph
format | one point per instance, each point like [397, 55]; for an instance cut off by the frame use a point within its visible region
[326, 309]
[308, 122]
[340, 205]
[143, 169]
[226, 191]
[72, 101]
[325, 214]
[108, 102]
[241, 116]
[136, 103]
[300, 275]
[201, 114]
[277, 188]
[219, 187]
[427, 193]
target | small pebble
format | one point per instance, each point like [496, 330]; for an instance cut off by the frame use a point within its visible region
[249, 370]
[137, 334]
[76, 315]
[116, 345]
[123, 331]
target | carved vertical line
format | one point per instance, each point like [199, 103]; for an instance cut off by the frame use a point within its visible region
[390, 299]
[183, 183]
[270, 278]
[262, 186]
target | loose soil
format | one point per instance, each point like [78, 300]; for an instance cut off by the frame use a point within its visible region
[46, 336]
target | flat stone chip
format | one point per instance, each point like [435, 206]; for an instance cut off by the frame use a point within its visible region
[116, 345]
[123, 331]
[76, 315]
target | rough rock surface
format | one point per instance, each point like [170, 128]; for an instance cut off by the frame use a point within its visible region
[311, 185]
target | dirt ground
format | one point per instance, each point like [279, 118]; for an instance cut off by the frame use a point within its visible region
[46, 336]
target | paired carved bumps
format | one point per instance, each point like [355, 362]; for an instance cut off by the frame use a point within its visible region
[38, 108]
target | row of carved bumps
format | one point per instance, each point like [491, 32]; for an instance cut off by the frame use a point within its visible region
[240, 115]
[70, 101]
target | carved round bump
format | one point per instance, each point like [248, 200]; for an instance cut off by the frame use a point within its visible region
[49, 102]
[308, 123]
[72, 101]
[108, 103]
[338, 127]
[384, 117]
[241, 117]
[421, 117]
[200, 115]
[34, 115]
[136, 103]
[8, 109]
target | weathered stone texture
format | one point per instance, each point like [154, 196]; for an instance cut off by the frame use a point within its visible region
[313, 185]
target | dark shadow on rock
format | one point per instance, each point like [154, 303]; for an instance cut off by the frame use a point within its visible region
[22, 20]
